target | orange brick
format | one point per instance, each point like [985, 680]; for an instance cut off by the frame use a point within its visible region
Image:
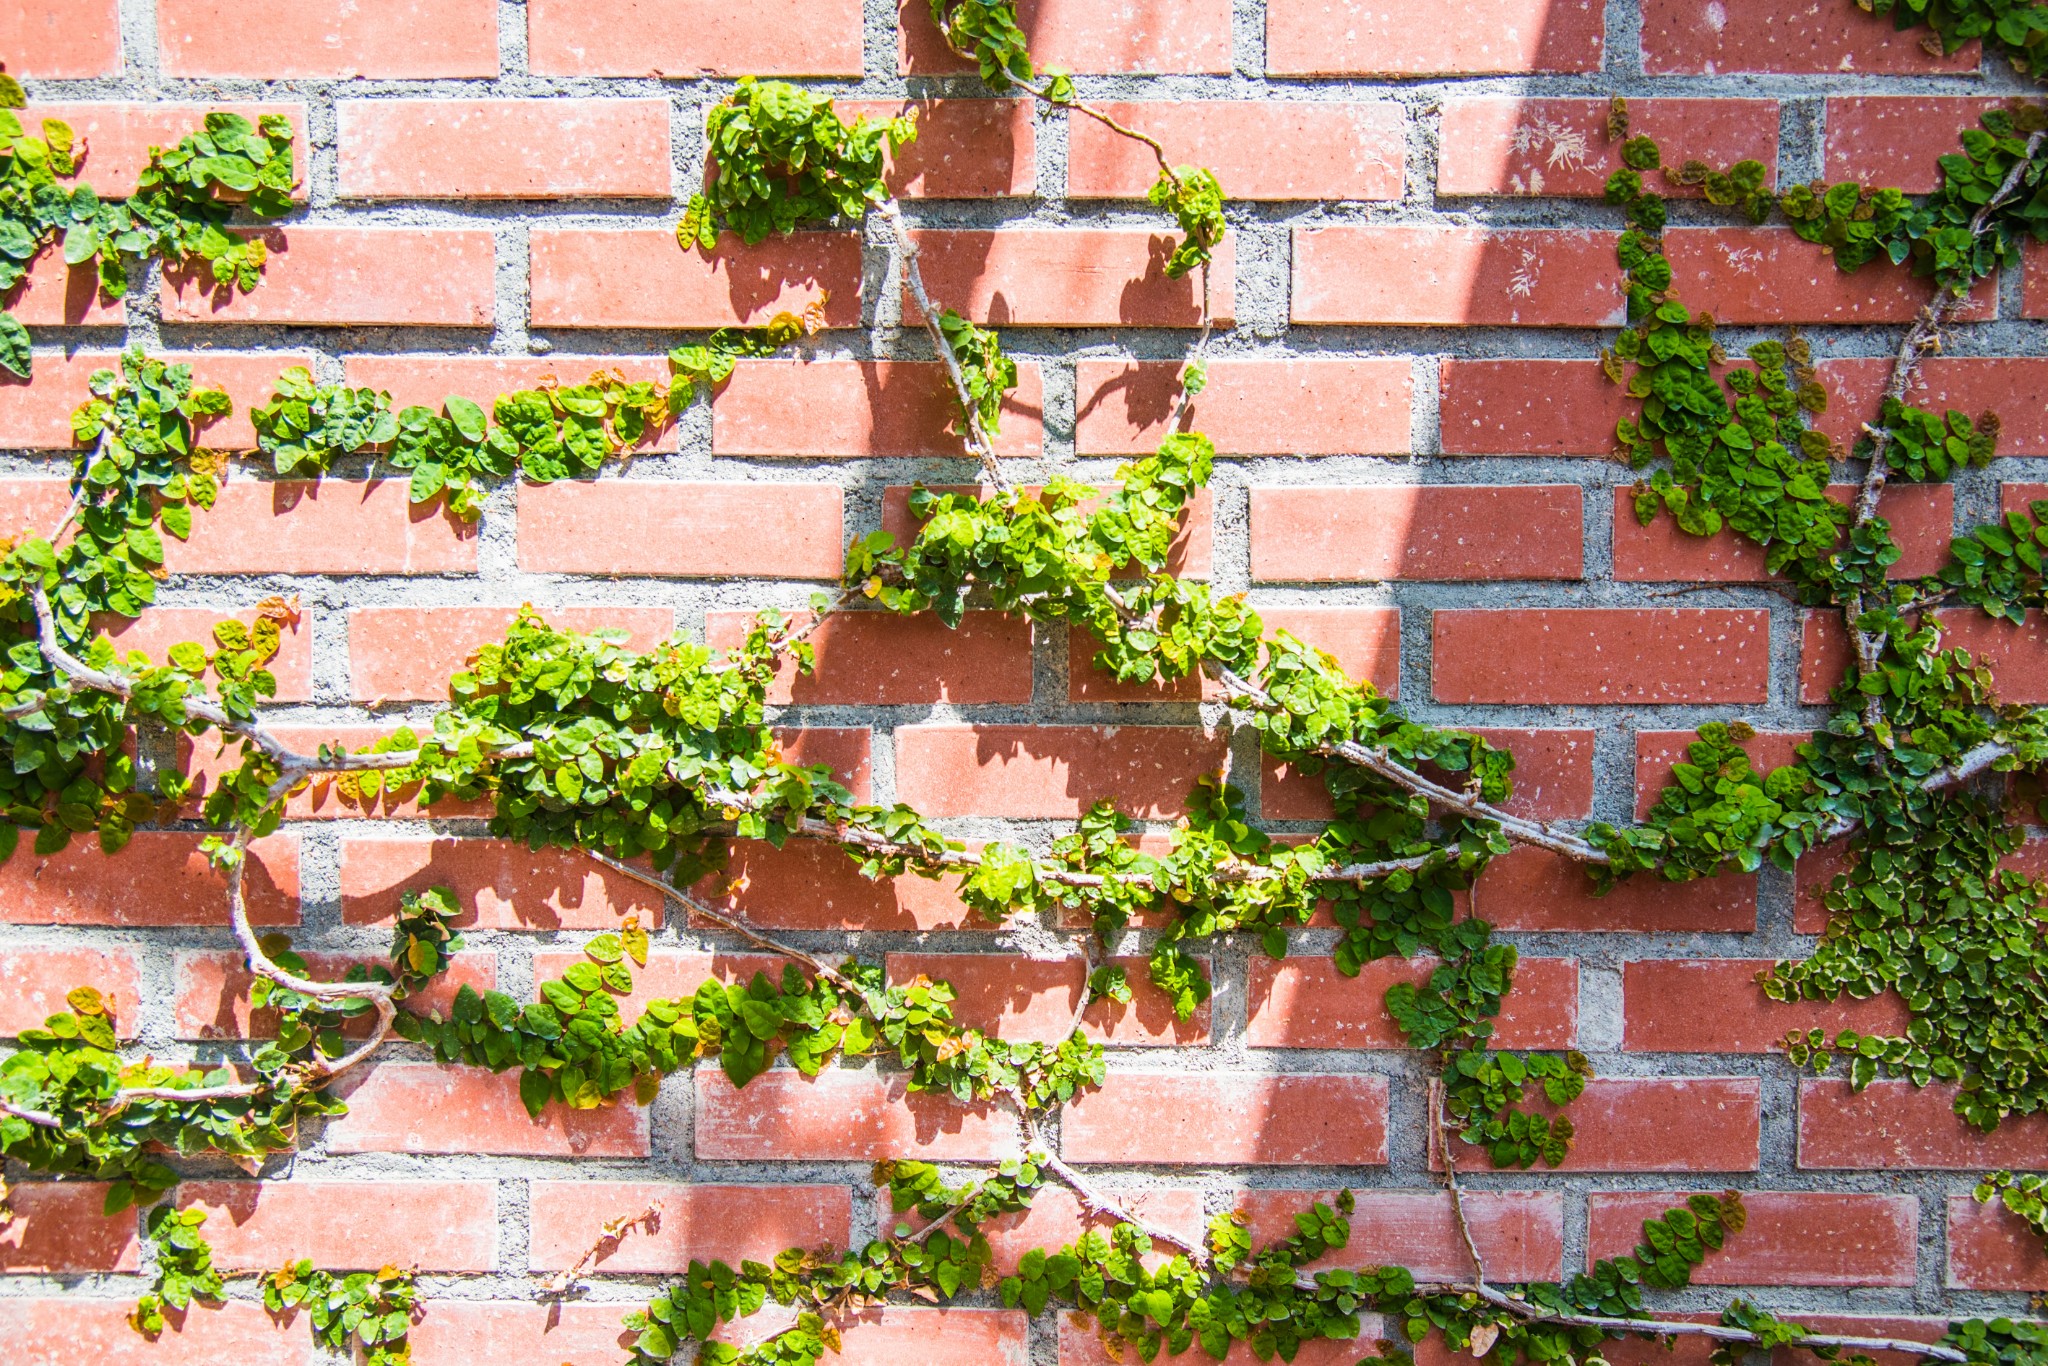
[965, 149]
[499, 884]
[891, 1335]
[1333, 406]
[62, 39]
[1432, 37]
[504, 149]
[691, 38]
[1893, 1124]
[1529, 407]
[1792, 36]
[953, 770]
[675, 530]
[1088, 36]
[1990, 1248]
[1419, 276]
[58, 1229]
[38, 978]
[1802, 1238]
[407, 1107]
[53, 294]
[1534, 889]
[811, 885]
[475, 1332]
[1312, 533]
[407, 654]
[1215, 1119]
[49, 1331]
[213, 991]
[115, 137]
[1082, 1346]
[695, 1223]
[334, 526]
[1366, 642]
[1656, 1124]
[1520, 1233]
[1602, 656]
[638, 277]
[1033, 999]
[344, 276]
[1055, 1219]
[1352, 150]
[160, 878]
[380, 39]
[843, 1115]
[825, 408]
[1304, 1002]
[1716, 1006]
[1767, 275]
[876, 659]
[1503, 145]
[1896, 139]
[438, 1225]
[1923, 518]
[1068, 277]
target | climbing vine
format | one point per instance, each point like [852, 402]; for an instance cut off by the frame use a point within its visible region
[657, 759]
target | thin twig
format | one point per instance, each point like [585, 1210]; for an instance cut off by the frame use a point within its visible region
[609, 1237]
[1093, 1201]
[1443, 1143]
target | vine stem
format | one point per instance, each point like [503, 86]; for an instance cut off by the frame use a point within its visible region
[1443, 1143]
[1093, 1201]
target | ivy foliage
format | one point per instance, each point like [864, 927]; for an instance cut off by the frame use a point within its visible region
[184, 1267]
[2018, 28]
[367, 1314]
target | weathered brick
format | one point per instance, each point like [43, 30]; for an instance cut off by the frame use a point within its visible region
[57, 1331]
[351, 276]
[1218, 1118]
[1420, 276]
[408, 1107]
[1530, 407]
[499, 884]
[1304, 1002]
[823, 408]
[694, 1222]
[812, 885]
[1081, 1345]
[1350, 406]
[1190, 555]
[438, 1225]
[115, 137]
[1767, 275]
[1894, 1124]
[876, 659]
[843, 1115]
[2015, 387]
[637, 277]
[1657, 1124]
[1802, 1238]
[1658, 750]
[1553, 778]
[504, 149]
[1088, 36]
[334, 526]
[1923, 520]
[953, 770]
[38, 977]
[62, 39]
[1504, 145]
[1068, 277]
[1896, 139]
[691, 38]
[1990, 1248]
[965, 149]
[1347, 151]
[1019, 999]
[2016, 654]
[160, 878]
[159, 628]
[1799, 37]
[1520, 1233]
[1716, 1006]
[1534, 889]
[1331, 534]
[408, 654]
[1432, 37]
[58, 1229]
[675, 530]
[1602, 656]
[213, 991]
[378, 39]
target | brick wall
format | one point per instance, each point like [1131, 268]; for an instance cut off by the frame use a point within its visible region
[1413, 429]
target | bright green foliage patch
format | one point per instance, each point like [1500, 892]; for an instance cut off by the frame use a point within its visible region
[184, 1267]
[364, 1309]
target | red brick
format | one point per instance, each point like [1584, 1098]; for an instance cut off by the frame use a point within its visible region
[691, 38]
[1088, 36]
[37, 979]
[1530, 407]
[1990, 1248]
[842, 749]
[1716, 1006]
[1217, 1119]
[379, 39]
[408, 654]
[2020, 497]
[349, 276]
[1520, 1233]
[160, 878]
[58, 1230]
[877, 659]
[1352, 150]
[1190, 556]
[54, 294]
[60, 1330]
[965, 149]
[1432, 37]
[1310, 533]
[2017, 655]
[333, 526]
[1767, 275]
[1923, 518]
[474, 1333]
[695, 1222]
[438, 1225]
[1894, 1124]
[504, 149]
[1553, 778]
[213, 991]
[1333, 406]
[843, 1116]
[1661, 1124]
[638, 277]
[1860, 1325]
[1304, 1002]
[1534, 889]
[500, 884]
[824, 408]
[1366, 642]
[1055, 1219]
[1081, 1345]
[2033, 288]
[1602, 656]
[2015, 387]
[1805, 1238]
[675, 530]
[428, 380]
[115, 137]
[1034, 999]
[159, 628]
[409, 1107]
[1895, 139]
[59, 39]
[954, 770]
[1800, 37]
[1068, 277]
[1658, 750]
[1505, 145]
[1419, 276]
[812, 885]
